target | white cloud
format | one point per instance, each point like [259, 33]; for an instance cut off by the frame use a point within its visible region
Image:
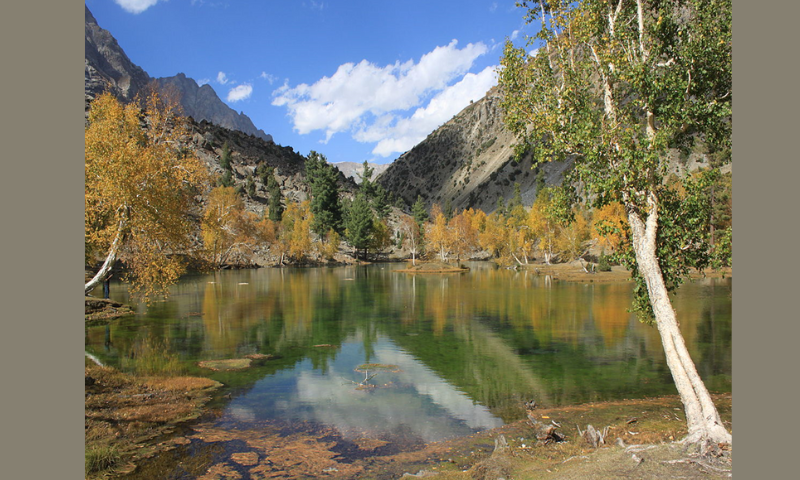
[404, 133]
[268, 77]
[533, 52]
[342, 101]
[514, 34]
[240, 92]
[222, 79]
[135, 6]
[203, 81]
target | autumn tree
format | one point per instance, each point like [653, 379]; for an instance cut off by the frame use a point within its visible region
[610, 226]
[294, 238]
[572, 240]
[616, 85]
[228, 230]
[140, 189]
[411, 235]
[545, 221]
[464, 233]
[437, 233]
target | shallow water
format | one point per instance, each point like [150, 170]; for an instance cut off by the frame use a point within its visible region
[466, 349]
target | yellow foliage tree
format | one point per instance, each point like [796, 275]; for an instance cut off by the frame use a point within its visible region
[437, 234]
[140, 187]
[229, 231]
[294, 237]
[611, 226]
[571, 239]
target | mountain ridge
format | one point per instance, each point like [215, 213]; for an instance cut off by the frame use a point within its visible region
[107, 67]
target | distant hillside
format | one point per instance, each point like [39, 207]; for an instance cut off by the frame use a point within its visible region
[107, 66]
[468, 161]
[354, 170]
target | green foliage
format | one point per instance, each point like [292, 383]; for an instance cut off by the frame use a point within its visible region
[325, 205]
[617, 93]
[500, 207]
[101, 457]
[723, 250]
[250, 186]
[448, 209]
[226, 180]
[603, 264]
[275, 205]
[419, 212]
[381, 202]
[359, 223]
[225, 158]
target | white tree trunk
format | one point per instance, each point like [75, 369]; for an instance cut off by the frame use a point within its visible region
[702, 418]
[111, 258]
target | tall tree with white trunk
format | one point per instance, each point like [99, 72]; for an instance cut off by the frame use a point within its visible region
[618, 85]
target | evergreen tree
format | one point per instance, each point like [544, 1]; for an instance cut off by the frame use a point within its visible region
[359, 223]
[419, 212]
[226, 180]
[380, 202]
[448, 210]
[250, 186]
[225, 158]
[325, 205]
[275, 206]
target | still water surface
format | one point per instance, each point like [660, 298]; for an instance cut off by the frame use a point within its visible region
[465, 350]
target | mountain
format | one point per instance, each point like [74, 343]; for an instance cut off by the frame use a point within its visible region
[247, 152]
[354, 169]
[107, 66]
[468, 161]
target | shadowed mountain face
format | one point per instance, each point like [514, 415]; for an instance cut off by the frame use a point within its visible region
[108, 67]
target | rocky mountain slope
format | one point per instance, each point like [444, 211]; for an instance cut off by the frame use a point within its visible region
[468, 161]
[354, 169]
[107, 66]
[247, 153]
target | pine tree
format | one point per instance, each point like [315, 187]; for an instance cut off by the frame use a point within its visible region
[359, 223]
[325, 205]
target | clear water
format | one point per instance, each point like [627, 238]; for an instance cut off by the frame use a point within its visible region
[467, 349]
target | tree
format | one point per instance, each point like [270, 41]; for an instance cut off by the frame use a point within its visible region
[294, 239]
[359, 224]
[412, 235]
[140, 189]
[616, 85]
[225, 157]
[419, 211]
[438, 234]
[325, 205]
[275, 206]
[229, 230]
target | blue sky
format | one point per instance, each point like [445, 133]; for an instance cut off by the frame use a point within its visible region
[352, 79]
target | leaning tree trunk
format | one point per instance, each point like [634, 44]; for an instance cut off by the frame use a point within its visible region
[703, 420]
[111, 258]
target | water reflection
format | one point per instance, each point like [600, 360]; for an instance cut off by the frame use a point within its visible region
[471, 348]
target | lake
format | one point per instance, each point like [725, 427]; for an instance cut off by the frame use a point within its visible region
[368, 352]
